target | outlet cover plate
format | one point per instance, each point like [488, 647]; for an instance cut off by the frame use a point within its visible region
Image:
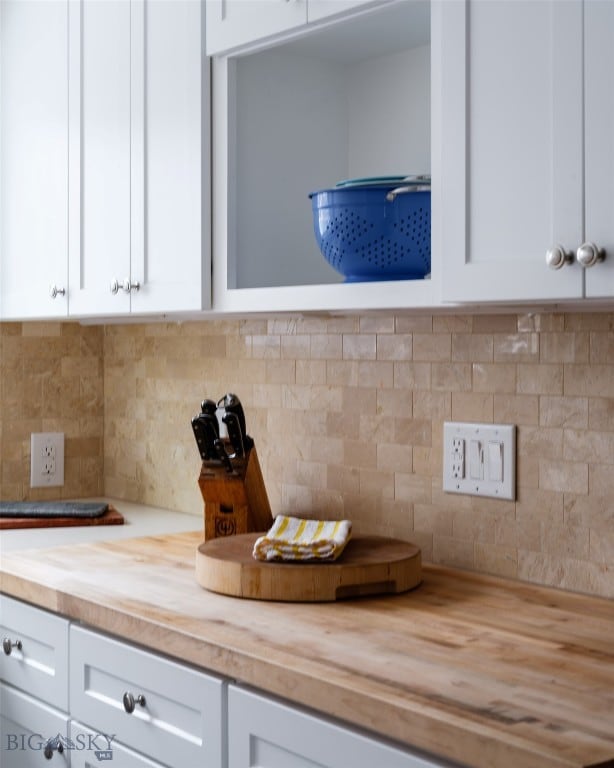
[46, 459]
[480, 459]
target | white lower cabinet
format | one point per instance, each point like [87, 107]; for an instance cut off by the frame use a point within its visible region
[265, 733]
[90, 748]
[170, 713]
[31, 732]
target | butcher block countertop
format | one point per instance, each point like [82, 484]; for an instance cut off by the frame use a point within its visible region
[478, 670]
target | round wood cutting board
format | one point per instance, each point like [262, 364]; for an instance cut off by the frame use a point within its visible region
[369, 565]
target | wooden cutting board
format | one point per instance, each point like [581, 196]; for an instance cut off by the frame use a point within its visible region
[369, 565]
[110, 517]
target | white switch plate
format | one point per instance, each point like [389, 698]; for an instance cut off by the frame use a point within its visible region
[46, 459]
[479, 459]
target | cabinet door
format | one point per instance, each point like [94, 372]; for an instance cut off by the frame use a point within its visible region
[512, 139]
[599, 142]
[233, 23]
[265, 733]
[90, 748]
[170, 257]
[176, 715]
[100, 155]
[26, 725]
[38, 658]
[33, 158]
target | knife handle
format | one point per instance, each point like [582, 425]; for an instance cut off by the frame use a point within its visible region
[201, 438]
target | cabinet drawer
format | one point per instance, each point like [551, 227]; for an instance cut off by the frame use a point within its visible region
[267, 733]
[26, 725]
[91, 748]
[40, 665]
[180, 721]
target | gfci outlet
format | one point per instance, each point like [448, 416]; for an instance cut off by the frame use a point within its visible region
[46, 459]
[480, 459]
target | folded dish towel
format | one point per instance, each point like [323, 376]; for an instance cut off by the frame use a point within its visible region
[292, 538]
[52, 508]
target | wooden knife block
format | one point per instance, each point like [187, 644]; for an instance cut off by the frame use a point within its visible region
[237, 502]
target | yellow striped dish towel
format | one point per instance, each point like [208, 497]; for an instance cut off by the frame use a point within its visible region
[292, 538]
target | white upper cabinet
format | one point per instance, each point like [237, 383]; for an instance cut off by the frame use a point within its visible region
[138, 170]
[599, 142]
[344, 99]
[522, 184]
[33, 158]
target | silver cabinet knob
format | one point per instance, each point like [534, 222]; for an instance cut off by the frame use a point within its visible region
[51, 746]
[558, 257]
[130, 701]
[588, 254]
[54, 291]
[8, 645]
[128, 286]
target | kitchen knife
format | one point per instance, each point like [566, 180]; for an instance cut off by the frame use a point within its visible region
[223, 456]
[234, 419]
[202, 438]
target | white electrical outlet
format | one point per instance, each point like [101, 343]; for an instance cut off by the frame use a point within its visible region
[46, 459]
[480, 459]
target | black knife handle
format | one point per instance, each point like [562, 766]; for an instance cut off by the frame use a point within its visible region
[223, 456]
[208, 407]
[241, 442]
[232, 404]
[201, 437]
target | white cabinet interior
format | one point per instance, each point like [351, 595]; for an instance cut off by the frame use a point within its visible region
[349, 99]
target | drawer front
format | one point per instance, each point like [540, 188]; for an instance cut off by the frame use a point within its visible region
[90, 749]
[181, 720]
[39, 663]
[26, 725]
[267, 733]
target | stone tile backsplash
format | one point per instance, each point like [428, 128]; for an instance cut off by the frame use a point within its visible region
[347, 414]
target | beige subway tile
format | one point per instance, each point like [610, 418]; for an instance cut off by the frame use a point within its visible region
[557, 411]
[343, 478]
[359, 400]
[591, 511]
[345, 424]
[394, 402]
[376, 482]
[425, 460]
[253, 326]
[359, 453]
[565, 540]
[432, 405]
[412, 431]
[540, 442]
[540, 322]
[413, 323]
[311, 474]
[567, 573]
[377, 324]
[589, 380]
[348, 324]
[376, 428]
[518, 534]
[472, 406]
[516, 409]
[495, 324]
[566, 347]
[280, 371]
[497, 378]
[472, 347]
[430, 347]
[601, 545]
[266, 346]
[414, 376]
[453, 323]
[43, 330]
[472, 525]
[425, 542]
[326, 346]
[601, 413]
[342, 372]
[327, 504]
[394, 347]
[411, 487]
[601, 479]
[296, 347]
[589, 321]
[582, 445]
[372, 373]
[429, 518]
[455, 377]
[311, 372]
[394, 457]
[516, 348]
[359, 346]
[565, 476]
[601, 347]
[267, 395]
[543, 379]
[496, 560]
[452, 552]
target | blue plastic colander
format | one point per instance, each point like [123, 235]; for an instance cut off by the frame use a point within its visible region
[374, 229]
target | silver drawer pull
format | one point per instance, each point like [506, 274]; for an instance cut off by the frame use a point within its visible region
[130, 701]
[8, 645]
[53, 745]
